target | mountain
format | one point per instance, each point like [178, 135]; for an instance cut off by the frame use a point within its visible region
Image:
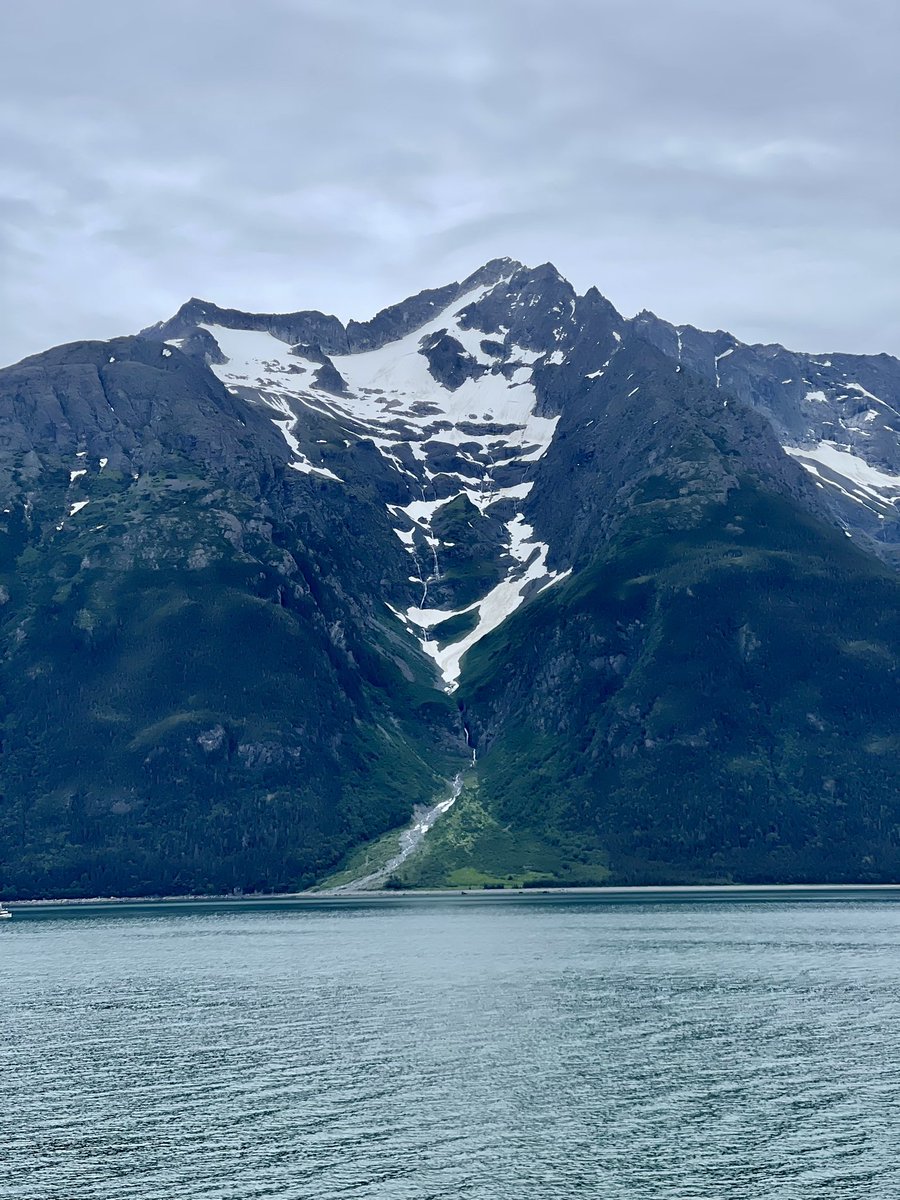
[269, 581]
[837, 414]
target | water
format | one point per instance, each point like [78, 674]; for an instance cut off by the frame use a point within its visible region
[457, 1048]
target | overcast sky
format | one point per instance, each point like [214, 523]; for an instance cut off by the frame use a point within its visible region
[733, 165]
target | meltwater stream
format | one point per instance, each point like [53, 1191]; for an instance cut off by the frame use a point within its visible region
[415, 1049]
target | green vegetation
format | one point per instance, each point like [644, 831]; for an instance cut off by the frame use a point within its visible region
[366, 859]
[470, 848]
[455, 628]
[186, 707]
[723, 703]
[666, 715]
[472, 553]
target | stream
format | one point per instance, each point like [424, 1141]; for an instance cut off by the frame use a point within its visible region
[410, 840]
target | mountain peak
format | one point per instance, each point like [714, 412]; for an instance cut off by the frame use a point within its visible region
[492, 271]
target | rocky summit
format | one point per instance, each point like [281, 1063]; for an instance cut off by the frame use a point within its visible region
[607, 600]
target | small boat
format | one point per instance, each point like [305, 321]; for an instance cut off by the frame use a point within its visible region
[5, 914]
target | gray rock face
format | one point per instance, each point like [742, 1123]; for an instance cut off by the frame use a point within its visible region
[307, 328]
[640, 425]
[627, 397]
[399, 319]
[822, 406]
[134, 404]
[317, 329]
[448, 362]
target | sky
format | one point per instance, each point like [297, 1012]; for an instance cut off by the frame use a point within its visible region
[731, 165]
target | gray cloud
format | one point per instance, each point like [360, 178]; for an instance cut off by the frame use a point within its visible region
[729, 165]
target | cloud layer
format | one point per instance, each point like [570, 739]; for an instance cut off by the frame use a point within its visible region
[727, 165]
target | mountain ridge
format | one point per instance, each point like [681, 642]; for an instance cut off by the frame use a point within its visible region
[839, 423]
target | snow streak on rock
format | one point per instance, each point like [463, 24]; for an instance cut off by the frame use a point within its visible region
[851, 475]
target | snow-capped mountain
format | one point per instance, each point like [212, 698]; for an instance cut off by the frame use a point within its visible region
[315, 568]
[460, 391]
[452, 409]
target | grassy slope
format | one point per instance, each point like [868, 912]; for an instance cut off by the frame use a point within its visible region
[471, 847]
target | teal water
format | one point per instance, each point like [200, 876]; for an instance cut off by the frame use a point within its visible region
[456, 1048]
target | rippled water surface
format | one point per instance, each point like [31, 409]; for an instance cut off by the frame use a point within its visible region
[498, 1049]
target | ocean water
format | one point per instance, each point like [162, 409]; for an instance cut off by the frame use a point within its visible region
[452, 1048]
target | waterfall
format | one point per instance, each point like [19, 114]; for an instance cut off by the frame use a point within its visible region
[470, 744]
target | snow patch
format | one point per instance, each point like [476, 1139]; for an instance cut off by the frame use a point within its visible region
[716, 362]
[556, 579]
[406, 536]
[530, 557]
[860, 479]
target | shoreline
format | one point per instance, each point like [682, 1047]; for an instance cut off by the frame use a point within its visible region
[636, 891]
